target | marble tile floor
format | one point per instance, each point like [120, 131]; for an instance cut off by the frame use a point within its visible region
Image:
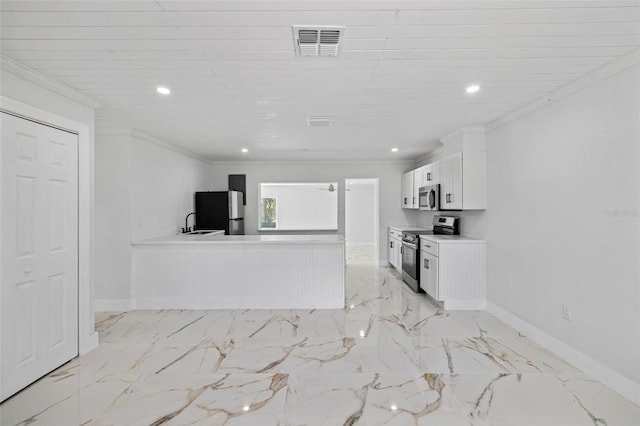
[361, 254]
[391, 357]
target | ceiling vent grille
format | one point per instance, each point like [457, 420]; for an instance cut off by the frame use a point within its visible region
[319, 121]
[317, 41]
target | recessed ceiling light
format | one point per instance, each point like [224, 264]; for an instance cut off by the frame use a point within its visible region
[319, 121]
[394, 149]
[245, 150]
[163, 90]
[473, 88]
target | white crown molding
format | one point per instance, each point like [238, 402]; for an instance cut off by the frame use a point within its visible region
[434, 154]
[580, 83]
[36, 77]
[153, 140]
[459, 132]
[312, 162]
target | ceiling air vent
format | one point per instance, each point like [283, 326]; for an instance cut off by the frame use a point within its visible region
[318, 40]
[319, 121]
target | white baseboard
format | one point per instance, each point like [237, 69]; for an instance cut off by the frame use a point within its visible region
[616, 381]
[465, 305]
[89, 344]
[239, 303]
[112, 305]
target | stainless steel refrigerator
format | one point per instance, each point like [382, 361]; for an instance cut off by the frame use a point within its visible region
[220, 210]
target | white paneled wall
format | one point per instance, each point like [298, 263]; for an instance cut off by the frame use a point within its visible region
[461, 268]
[241, 275]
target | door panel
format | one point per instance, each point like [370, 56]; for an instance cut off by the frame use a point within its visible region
[25, 302]
[38, 252]
[25, 207]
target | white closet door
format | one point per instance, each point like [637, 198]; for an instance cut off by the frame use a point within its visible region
[38, 251]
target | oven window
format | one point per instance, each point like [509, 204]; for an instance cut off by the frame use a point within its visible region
[409, 260]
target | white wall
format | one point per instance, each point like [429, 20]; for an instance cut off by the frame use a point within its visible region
[360, 212]
[304, 206]
[388, 174]
[162, 186]
[143, 189]
[563, 220]
[113, 215]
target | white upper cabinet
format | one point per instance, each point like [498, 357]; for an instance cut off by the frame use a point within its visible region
[463, 171]
[430, 174]
[451, 182]
[463, 181]
[411, 183]
[406, 193]
[417, 183]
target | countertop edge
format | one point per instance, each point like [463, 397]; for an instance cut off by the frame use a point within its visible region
[225, 240]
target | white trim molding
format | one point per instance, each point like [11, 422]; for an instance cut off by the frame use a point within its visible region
[42, 80]
[113, 305]
[616, 381]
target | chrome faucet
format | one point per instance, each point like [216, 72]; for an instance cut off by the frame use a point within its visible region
[186, 224]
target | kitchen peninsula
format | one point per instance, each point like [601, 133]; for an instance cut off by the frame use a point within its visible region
[239, 272]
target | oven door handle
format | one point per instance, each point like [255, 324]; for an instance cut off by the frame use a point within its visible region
[413, 246]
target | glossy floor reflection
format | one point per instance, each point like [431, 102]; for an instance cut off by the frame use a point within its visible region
[390, 357]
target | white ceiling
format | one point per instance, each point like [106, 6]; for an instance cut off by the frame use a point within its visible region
[236, 81]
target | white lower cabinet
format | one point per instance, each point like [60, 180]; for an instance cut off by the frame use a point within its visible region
[453, 272]
[429, 274]
[394, 248]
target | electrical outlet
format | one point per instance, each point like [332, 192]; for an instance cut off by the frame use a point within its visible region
[567, 312]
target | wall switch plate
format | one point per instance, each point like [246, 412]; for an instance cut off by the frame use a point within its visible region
[567, 312]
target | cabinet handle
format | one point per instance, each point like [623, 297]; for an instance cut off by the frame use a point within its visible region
[448, 198]
[426, 245]
[426, 264]
[414, 200]
[405, 201]
[391, 244]
[428, 176]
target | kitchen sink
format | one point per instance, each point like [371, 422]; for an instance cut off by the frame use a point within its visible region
[203, 232]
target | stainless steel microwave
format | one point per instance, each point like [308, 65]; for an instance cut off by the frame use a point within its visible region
[429, 198]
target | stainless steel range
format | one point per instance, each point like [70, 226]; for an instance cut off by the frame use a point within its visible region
[445, 225]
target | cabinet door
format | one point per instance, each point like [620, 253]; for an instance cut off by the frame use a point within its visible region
[417, 178]
[431, 174]
[391, 253]
[429, 274]
[451, 182]
[407, 190]
[398, 245]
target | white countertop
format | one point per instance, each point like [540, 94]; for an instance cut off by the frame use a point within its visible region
[406, 227]
[440, 238]
[242, 239]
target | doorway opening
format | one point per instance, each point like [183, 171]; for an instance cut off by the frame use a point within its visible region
[362, 221]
